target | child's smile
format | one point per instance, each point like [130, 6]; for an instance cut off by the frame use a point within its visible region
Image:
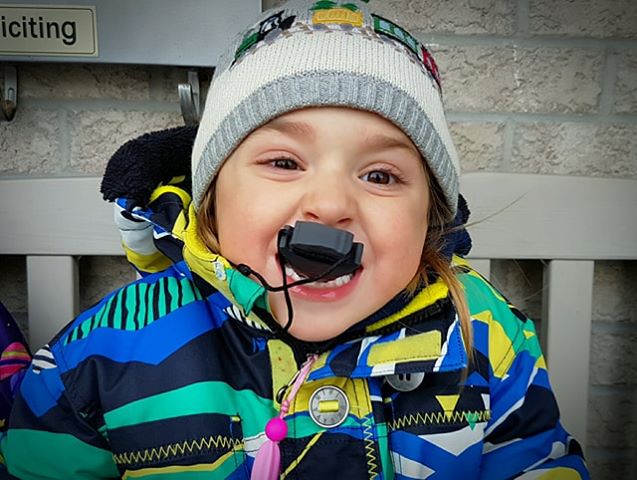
[344, 168]
[323, 290]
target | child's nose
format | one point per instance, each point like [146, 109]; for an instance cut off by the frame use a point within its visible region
[329, 201]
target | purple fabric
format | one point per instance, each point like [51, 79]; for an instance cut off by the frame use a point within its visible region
[14, 360]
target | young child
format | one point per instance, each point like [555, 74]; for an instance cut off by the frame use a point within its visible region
[317, 325]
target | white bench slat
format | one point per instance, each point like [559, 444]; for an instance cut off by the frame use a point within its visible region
[567, 312]
[53, 284]
[56, 216]
[552, 217]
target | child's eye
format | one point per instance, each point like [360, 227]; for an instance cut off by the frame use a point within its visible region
[284, 163]
[381, 177]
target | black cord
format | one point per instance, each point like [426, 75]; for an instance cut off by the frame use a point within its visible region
[247, 271]
[286, 294]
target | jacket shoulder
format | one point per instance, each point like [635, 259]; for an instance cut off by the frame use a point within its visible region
[501, 331]
[133, 307]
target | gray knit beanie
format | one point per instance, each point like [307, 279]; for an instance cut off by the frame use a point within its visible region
[324, 53]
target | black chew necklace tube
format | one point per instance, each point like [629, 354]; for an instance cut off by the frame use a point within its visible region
[314, 251]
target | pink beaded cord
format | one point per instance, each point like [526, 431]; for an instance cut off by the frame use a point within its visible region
[267, 464]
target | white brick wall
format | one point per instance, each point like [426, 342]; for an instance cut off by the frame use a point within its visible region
[575, 148]
[510, 78]
[583, 18]
[547, 86]
[480, 145]
[626, 84]
[465, 17]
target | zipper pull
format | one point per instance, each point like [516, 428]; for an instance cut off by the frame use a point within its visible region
[267, 464]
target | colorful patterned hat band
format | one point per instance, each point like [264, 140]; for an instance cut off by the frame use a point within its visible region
[324, 53]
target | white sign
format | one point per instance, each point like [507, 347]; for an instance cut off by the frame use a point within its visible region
[48, 30]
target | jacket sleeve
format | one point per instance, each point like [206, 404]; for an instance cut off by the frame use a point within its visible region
[524, 437]
[50, 436]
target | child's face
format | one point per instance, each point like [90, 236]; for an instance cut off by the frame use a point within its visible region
[344, 168]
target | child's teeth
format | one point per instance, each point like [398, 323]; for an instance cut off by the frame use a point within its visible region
[292, 274]
[337, 282]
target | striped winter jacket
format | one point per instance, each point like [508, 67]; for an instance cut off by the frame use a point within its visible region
[166, 379]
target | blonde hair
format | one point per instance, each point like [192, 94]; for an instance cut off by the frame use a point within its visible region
[432, 260]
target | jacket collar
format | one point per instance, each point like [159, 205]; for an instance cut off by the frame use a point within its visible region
[221, 275]
[423, 336]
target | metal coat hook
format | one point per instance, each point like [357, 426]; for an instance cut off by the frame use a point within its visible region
[9, 99]
[190, 100]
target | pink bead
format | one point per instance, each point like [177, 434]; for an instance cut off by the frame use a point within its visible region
[276, 429]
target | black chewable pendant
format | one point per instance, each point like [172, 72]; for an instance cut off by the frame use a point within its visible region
[312, 249]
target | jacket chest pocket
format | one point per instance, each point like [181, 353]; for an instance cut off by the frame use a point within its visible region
[213, 442]
[436, 427]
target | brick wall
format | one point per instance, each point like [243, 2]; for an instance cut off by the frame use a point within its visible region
[543, 86]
